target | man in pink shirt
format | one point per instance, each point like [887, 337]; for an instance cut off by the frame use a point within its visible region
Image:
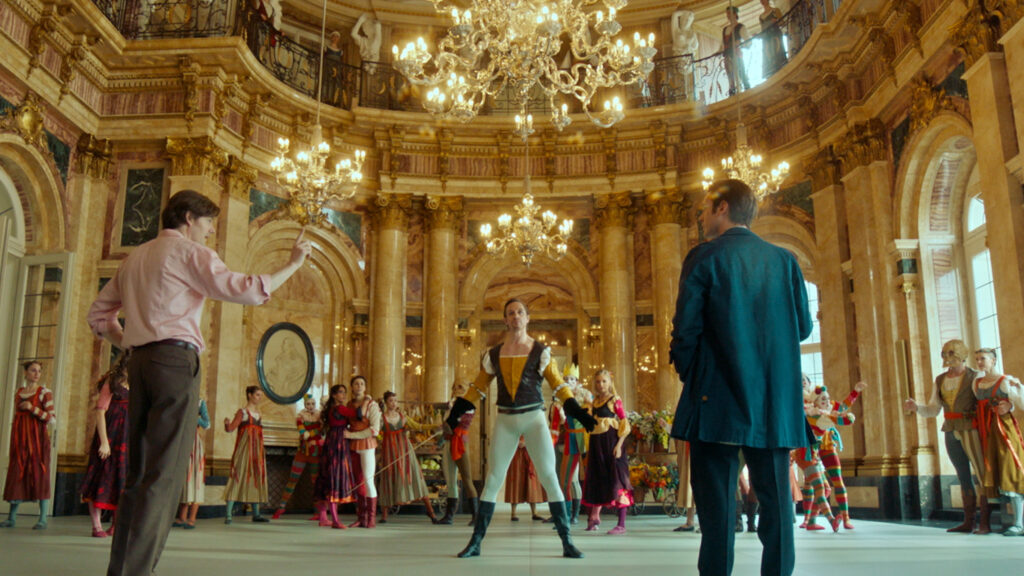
[160, 288]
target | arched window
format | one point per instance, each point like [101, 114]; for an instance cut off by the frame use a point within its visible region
[980, 288]
[810, 349]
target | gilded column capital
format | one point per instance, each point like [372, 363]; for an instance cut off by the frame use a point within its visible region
[824, 168]
[93, 156]
[392, 211]
[615, 209]
[864, 144]
[976, 34]
[241, 178]
[444, 212]
[668, 206]
[195, 157]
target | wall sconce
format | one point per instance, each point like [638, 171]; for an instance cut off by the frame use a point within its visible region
[466, 336]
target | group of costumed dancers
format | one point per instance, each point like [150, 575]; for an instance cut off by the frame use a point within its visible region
[338, 446]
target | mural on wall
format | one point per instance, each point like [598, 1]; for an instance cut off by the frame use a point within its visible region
[143, 197]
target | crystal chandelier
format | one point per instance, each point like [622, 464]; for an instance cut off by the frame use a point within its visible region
[495, 44]
[530, 233]
[746, 166]
[310, 184]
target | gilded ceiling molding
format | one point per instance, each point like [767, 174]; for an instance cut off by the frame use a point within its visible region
[392, 211]
[221, 103]
[444, 144]
[196, 157]
[256, 105]
[444, 212]
[190, 85]
[658, 138]
[608, 138]
[976, 34]
[864, 144]
[668, 206]
[614, 210]
[44, 28]
[911, 23]
[69, 65]
[26, 120]
[549, 138]
[824, 168]
[840, 92]
[93, 156]
[926, 102]
[240, 178]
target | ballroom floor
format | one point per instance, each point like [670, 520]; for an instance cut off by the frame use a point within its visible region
[410, 545]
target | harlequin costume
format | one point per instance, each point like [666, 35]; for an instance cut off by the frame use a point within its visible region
[520, 413]
[570, 447]
[310, 445]
[28, 474]
[105, 478]
[247, 481]
[831, 444]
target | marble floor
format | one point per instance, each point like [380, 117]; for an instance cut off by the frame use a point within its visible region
[410, 545]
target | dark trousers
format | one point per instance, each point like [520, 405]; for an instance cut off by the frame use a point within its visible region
[162, 420]
[714, 469]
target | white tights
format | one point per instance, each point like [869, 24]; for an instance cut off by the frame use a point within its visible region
[368, 460]
[533, 427]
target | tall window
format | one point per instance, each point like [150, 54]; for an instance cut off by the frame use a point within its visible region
[985, 327]
[810, 349]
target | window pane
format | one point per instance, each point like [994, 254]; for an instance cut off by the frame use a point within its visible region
[811, 365]
[986, 301]
[812, 306]
[975, 214]
[982, 267]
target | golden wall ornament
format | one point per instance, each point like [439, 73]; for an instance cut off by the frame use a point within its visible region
[658, 138]
[190, 85]
[608, 138]
[396, 136]
[26, 120]
[93, 156]
[42, 30]
[253, 113]
[668, 206]
[444, 145]
[69, 65]
[926, 102]
[976, 34]
[240, 178]
[865, 143]
[221, 103]
[824, 168]
[911, 23]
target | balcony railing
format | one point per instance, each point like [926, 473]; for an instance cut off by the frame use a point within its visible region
[674, 79]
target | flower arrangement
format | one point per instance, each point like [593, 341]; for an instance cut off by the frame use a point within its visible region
[652, 426]
[656, 478]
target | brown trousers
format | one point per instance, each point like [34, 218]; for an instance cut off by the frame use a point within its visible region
[162, 420]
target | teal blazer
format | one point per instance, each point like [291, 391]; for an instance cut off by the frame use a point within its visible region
[740, 317]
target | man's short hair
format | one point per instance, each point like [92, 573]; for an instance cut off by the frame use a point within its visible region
[741, 199]
[184, 202]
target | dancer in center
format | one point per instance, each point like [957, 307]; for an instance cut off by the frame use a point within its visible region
[520, 364]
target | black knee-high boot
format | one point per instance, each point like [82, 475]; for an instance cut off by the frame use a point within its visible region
[560, 513]
[449, 511]
[483, 519]
[574, 515]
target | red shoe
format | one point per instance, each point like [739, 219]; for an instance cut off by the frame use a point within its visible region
[814, 527]
[835, 523]
[98, 533]
[338, 526]
[277, 514]
[847, 525]
[803, 524]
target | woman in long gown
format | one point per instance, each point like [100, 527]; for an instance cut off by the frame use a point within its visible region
[607, 477]
[28, 474]
[106, 473]
[401, 479]
[248, 479]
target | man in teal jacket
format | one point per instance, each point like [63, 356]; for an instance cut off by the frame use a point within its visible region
[740, 317]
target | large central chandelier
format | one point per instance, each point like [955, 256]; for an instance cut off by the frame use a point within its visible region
[308, 180]
[529, 233]
[745, 165]
[495, 44]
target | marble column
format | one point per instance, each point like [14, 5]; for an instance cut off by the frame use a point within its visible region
[387, 299]
[667, 210]
[88, 187]
[614, 215]
[1013, 48]
[867, 194]
[992, 117]
[441, 299]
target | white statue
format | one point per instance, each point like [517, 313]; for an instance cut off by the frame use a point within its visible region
[684, 39]
[367, 36]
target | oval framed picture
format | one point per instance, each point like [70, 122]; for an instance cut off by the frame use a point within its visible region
[285, 363]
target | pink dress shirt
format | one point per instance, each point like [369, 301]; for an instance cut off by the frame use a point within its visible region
[161, 287]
